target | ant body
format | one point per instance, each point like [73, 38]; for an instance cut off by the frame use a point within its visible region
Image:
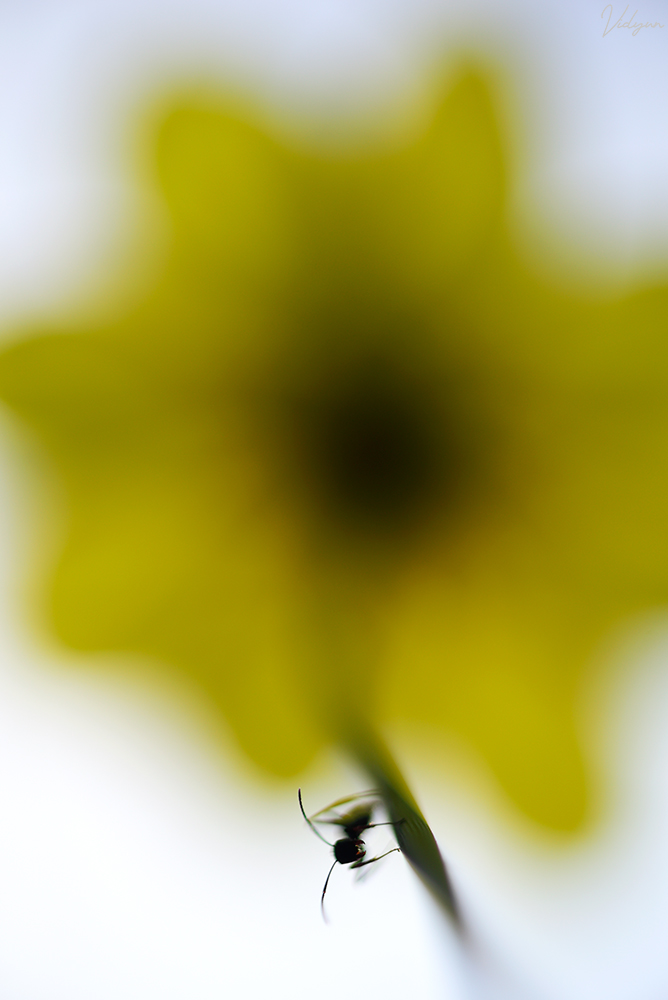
[351, 849]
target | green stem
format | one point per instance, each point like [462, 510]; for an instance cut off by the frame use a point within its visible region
[414, 836]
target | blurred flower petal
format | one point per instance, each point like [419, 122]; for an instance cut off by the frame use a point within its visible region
[351, 461]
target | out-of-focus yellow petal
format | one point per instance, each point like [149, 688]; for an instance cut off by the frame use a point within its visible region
[350, 461]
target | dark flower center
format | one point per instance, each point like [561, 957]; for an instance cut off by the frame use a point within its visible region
[377, 447]
[376, 450]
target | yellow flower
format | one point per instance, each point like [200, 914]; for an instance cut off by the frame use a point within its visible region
[350, 461]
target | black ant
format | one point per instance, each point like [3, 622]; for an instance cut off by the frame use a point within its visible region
[349, 850]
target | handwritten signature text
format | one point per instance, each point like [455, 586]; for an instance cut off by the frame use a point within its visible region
[633, 26]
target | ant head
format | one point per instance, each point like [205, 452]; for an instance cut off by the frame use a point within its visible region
[348, 850]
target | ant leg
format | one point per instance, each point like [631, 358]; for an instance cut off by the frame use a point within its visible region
[371, 793]
[389, 823]
[361, 864]
[301, 806]
[322, 898]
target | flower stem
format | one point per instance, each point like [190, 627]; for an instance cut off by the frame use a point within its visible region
[413, 834]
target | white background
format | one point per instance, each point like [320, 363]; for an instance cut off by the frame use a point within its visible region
[136, 860]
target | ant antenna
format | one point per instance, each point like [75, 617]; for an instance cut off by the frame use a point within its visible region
[322, 898]
[316, 832]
